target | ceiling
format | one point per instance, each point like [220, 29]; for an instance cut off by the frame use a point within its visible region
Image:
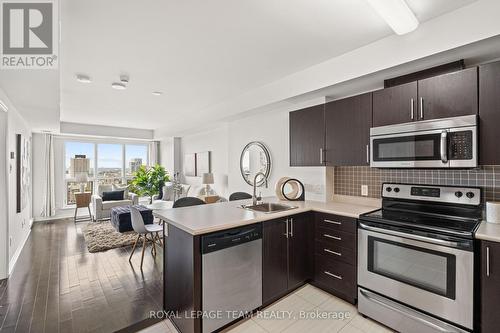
[201, 53]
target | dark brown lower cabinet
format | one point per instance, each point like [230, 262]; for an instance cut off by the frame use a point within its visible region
[490, 287]
[287, 255]
[335, 255]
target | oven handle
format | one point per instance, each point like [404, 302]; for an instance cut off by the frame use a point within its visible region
[410, 236]
[415, 315]
[444, 146]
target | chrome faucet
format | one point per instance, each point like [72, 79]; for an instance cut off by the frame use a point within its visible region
[254, 197]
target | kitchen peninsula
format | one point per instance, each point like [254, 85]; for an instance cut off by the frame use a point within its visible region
[285, 247]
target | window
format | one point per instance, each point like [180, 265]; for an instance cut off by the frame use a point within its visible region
[105, 163]
[135, 156]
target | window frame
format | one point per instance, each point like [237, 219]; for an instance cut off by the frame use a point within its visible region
[95, 179]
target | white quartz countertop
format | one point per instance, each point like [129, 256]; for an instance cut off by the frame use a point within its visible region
[488, 231]
[203, 219]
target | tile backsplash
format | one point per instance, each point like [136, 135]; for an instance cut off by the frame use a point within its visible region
[348, 180]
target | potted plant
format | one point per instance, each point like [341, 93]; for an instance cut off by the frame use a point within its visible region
[149, 181]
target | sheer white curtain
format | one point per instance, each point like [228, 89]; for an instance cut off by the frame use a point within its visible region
[154, 152]
[49, 196]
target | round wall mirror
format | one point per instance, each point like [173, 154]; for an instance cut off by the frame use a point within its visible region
[255, 158]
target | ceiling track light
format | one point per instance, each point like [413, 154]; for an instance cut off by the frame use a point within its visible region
[124, 78]
[83, 78]
[118, 86]
[397, 14]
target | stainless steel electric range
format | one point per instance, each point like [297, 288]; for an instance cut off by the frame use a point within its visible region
[416, 258]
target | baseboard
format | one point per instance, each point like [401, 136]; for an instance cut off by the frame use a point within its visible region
[15, 257]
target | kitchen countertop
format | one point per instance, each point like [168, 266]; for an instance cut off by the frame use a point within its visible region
[197, 220]
[488, 231]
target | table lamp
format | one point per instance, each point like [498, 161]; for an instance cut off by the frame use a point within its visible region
[207, 179]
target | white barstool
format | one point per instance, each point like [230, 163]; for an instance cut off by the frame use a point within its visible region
[143, 230]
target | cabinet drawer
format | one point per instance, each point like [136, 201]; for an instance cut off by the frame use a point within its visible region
[336, 222]
[335, 276]
[335, 252]
[336, 238]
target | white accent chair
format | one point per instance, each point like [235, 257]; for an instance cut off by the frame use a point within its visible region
[102, 209]
[168, 193]
[143, 230]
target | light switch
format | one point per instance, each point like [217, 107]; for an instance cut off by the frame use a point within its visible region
[364, 190]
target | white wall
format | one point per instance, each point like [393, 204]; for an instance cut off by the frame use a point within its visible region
[227, 141]
[16, 227]
[4, 226]
[106, 131]
[215, 141]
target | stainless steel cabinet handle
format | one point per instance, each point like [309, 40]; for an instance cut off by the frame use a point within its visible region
[333, 222]
[291, 227]
[333, 237]
[333, 275]
[286, 233]
[412, 109]
[487, 261]
[321, 156]
[421, 108]
[333, 252]
[444, 147]
[368, 154]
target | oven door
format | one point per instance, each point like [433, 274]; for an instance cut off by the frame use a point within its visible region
[425, 149]
[424, 273]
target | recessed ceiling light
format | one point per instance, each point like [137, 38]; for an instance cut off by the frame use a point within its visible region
[157, 93]
[118, 86]
[83, 78]
[397, 14]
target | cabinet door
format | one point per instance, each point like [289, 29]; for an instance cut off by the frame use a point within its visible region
[307, 136]
[395, 105]
[348, 123]
[274, 260]
[448, 95]
[490, 286]
[300, 250]
[489, 113]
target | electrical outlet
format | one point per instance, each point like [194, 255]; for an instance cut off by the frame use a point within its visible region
[364, 190]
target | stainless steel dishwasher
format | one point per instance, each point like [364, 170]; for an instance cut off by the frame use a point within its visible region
[231, 275]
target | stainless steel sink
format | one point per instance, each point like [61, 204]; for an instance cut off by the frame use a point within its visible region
[269, 207]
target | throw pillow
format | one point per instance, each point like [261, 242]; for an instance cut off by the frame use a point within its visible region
[123, 188]
[113, 196]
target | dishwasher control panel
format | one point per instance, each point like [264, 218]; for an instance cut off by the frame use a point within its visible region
[229, 238]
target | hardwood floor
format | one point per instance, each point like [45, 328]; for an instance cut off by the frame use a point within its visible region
[58, 286]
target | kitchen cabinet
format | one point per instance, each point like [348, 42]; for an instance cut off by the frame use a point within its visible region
[395, 105]
[449, 95]
[300, 249]
[335, 255]
[307, 136]
[490, 286]
[348, 123]
[489, 113]
[287, 251]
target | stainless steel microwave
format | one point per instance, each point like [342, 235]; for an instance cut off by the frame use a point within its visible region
[441, 143]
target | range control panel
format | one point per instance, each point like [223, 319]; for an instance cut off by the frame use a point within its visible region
[445, 194]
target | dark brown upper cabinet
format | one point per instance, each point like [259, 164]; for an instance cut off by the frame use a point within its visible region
[307, 136]
[348, 123]
[395, 105]
[449, 95]
[490, 286]
[489, 113]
